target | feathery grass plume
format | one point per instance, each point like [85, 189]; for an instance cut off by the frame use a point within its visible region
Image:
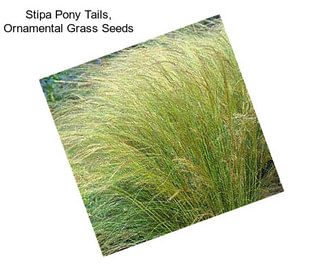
[164, 135]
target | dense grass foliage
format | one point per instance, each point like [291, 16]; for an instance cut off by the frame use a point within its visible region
[164, 136]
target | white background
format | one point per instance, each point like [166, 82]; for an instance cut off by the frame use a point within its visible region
[44, 224]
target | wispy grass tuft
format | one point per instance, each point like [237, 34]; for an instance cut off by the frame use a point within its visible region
[163, 136]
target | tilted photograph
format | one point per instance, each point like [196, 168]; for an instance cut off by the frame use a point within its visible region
[161, 135]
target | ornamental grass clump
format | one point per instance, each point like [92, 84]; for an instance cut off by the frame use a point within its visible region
[164, 135]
